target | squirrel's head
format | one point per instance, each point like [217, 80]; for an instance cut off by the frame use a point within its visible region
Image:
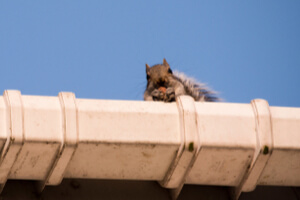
[159, 74]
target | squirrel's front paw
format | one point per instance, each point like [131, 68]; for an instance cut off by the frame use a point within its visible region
[170, 95]
[157, 95]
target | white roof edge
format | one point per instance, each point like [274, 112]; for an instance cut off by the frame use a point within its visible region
[237, 145]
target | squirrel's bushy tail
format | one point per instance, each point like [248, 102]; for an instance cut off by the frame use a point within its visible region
[199, 91]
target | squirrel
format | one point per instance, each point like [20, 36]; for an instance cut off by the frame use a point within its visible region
[164, 85]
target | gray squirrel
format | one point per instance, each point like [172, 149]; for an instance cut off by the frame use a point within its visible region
[164, 85]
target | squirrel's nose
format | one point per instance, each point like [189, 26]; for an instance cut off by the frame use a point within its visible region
[161, 82]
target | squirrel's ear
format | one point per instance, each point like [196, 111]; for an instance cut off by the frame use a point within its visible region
[165, 62]
[147, 69]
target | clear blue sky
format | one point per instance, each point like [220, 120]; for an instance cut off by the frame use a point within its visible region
[98, 49]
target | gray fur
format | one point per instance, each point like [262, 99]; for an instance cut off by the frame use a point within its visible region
[199, 91]
[176, 84]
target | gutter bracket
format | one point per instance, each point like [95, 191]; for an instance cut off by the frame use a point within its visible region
[189, 147]
[69, 140]
[264, 147]
[15, 134]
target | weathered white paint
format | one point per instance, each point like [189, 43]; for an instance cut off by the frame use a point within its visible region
[237, 145]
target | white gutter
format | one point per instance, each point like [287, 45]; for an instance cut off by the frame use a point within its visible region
[225, 144]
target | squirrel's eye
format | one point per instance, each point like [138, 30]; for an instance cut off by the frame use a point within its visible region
[148, 77]
[170, 71]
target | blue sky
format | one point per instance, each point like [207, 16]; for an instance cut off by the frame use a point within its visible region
[98, 49]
